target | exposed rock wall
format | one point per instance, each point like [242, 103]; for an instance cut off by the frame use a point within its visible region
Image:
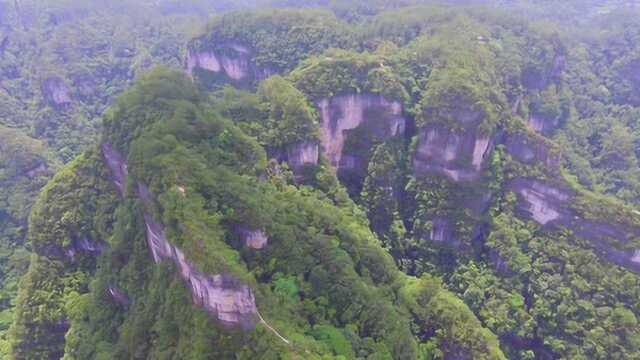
[542, 125]
[117, 166]
[340, 114]
[206, 60]
[443, 232]
[302, 154]
[235, 61]
[460, 155]
[255, 239]
[440, 151]
[457, 154]
[531, 150]
[221, 295]
[541, 201]
[231, 302]
[550, 205]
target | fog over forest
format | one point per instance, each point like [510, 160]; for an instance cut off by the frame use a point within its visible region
[320, 179]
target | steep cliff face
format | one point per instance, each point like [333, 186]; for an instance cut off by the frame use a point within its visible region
[542, 125]
[232, 61]
[548, 199]
[351, 128]
[254, 239]
[364, 119]
[302, 154]
[250, 46]
[458, 155]
[532, 149]
[552, 205]
[224, 297]
[232, 303]
[116, 165]
[449, 162]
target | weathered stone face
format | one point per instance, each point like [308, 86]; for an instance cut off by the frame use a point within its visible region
[236, 62]
[441, 231]
[206, 60]
[540, 201]
[302, 154]
[532, 150]
[550, 206]
[457, 155]
[341, 114]
[542, 125]
[232, 303]
[254, 239]
[539, 207]
[116, 165]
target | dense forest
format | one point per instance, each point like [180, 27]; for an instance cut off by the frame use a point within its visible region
[319, 179]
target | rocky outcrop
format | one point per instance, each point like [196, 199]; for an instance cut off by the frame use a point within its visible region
[341, 115]
[531, 150]
[302, 154]
[442, 232]
[541, 201]
[234, 61]
[117, 166]
[549, 204]
[458, 155]
[231, 302]
[83, 245]
[254, 239]
[542, 125]
[205, 60]
[56, 91]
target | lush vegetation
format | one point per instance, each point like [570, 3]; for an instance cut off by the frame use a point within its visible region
[386, 262]
[324, 280]
[279, 39]
[87, 52]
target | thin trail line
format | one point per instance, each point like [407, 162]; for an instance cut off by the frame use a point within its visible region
[272, 329]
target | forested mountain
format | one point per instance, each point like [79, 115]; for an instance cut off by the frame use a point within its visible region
[320, 179]
[61, 65]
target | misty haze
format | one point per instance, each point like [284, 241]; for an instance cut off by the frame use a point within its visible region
[319, 179]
